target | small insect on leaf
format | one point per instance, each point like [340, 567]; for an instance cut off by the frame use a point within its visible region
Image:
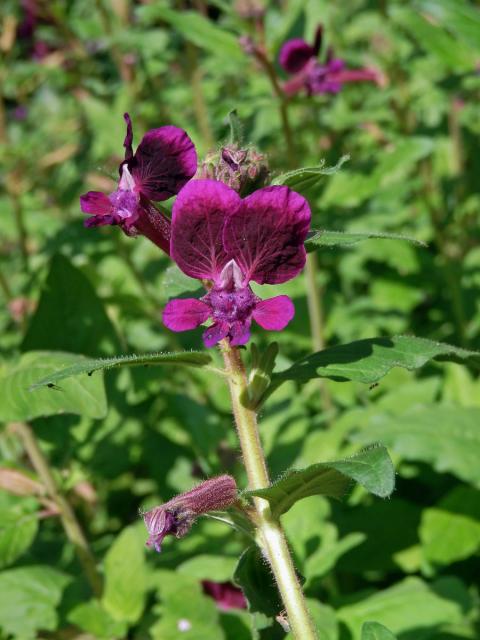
[50, 385]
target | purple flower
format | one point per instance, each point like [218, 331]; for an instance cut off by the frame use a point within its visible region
[299, 59]
[229, 241]
[226, 595]
[164, 161]
[176, 516]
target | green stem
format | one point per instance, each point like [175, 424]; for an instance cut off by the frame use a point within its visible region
[21, 229]
[5, 287]
[69, 521]
[270, 535]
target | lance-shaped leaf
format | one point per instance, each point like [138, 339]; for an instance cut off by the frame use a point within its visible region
[89, 366]
[307, 178]
[369, 360]
[372, 468]
[376, 631]
[318, 239]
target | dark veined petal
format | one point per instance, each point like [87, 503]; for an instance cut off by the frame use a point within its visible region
[198, 218]
[295, 54]
[96, 203]
[185, 314]
[215, 333]
[163, 163]
[266, 235]
[275, 313]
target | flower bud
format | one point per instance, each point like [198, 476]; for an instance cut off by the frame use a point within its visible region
[243, 170]
[176, 516]
[261, 373]
[19, 483]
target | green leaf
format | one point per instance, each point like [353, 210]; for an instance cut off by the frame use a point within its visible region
[369, 360]
[209, 567]
[83, 397]
[325, 238]
[70, 316]
[307, 178]
[18, 526]
[185, 609]
[376, 631]
[457, 16]
[30, 598]
[450, 531]
[92, 618]
[410, 606]
[371, 468]
[125, 577]
[446, 437]
[87, 366]
[198, 30]
[255, 579]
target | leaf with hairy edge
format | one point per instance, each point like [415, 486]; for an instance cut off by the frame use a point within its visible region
[324, 238]
[376, 631]
[187, 358]
[255, 579]
[83, 397]
[369, 360]
[306, 178]
[372, 468]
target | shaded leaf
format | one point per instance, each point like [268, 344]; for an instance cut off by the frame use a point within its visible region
[369, 360]
[446, 437]
[18, 526]
[86, 366]
[92, 618]
[255, 579]
[371, 468]
[325, 238]
[70, 316]
[84, 397]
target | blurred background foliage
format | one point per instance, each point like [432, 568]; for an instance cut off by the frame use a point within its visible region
[68, 71]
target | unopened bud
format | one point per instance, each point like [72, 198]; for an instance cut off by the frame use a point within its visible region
[250, 8]
[19, 484]
[242, 169]
[176, 516]
[261, 373]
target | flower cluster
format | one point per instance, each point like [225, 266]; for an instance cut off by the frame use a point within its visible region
[229, 242]
[163, 163]
[300, 60]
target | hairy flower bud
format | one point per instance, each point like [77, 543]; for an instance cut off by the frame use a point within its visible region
[176, 516]
[243, 170]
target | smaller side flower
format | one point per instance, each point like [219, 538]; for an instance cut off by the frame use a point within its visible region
[300, 60]
[177, 516]
[163, 163]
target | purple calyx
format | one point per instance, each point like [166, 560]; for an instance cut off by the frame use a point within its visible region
[163, 163]
[229, 241]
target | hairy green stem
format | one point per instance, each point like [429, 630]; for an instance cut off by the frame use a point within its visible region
[69, 520]
[270, 535]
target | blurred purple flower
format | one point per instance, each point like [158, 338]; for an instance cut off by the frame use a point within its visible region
[226, 595]
[300, 59]
[176, 516]
[230, 241]
[164, 161]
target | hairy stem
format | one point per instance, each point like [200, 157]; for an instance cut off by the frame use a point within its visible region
[69, 521]
[270, 536]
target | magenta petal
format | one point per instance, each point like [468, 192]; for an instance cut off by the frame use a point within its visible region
[215, 333]
[275, 313]
[164, 162]
[266, 236]
[198, 219]
[239, 333]
[127, 143]
[96, 203]
[183, 315]
[295, 54]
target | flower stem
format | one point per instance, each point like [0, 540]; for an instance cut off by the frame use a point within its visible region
[270, 536]
[69, 521]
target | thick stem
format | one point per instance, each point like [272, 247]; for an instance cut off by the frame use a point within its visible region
[270, 533]
[69, 521]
